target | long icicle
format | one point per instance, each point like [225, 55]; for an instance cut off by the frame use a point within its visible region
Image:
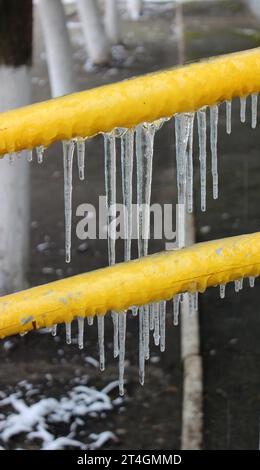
[190, 167]
[81, 321]
[68, 152]
[243, 109]
[110, 185]
[228, 116]
[68, 332]
[127, 152]
[122, 338]
[254, 100]
[213, 146]
[100, 323]
[202, 131]
[144, 163]
[184, 166]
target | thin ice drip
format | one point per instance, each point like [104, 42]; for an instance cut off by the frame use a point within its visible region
[100, 322]
[40, 153]
[243, 109]
[202, 131]
[110, 186]
[228, 116]
[68, 153]
[254, 99]
[81, 157]
[213, 146]
[122, 338]
[127, 153]
[81, 332]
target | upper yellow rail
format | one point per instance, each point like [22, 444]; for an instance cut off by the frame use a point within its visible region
[130, 102]
[137, 282]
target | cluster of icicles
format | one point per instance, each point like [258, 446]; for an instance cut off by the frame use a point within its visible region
[140, 141]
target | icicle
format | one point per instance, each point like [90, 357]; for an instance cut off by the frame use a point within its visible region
[39, 153]
[252, 281]
[190, 168]
[81, 332]
[213, 145]
[68, 152]
[183, 123]
[237, 285]
[254, 99]
[134, 310]
[243, 109]
[122, 338]
[202, 131]
[151, 316]
[222, 290]
[115, 319]
[156, 333]
[144, 163]
[144, 312]
[195, 301]
[11, 158]
[29, 155]
[228, 116]
[127, 152]
[54, 330]
[100, 320]
[176, 309]
[68, 332]
[81, 157]
[90, 320]
[110, 185]
[162, 325]
[141, 350]
[240, 283]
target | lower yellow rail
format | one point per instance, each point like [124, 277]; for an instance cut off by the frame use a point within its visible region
[137, 282]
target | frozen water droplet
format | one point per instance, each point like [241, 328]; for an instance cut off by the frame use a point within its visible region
[202, 131]
[29, 155]
[54, 330]
[237, 285]
[90, 320]
[100, 321]
[81, 332]
[81, 157]
[254, 99]
[213, 145]
[243, 109]
[68, 153]
[11, 158]
[252, 281]
[222, 290]
[228, 116]
[68, 332]
[39, 153]
[122, 338]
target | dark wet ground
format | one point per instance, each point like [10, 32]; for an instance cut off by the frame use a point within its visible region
[151, 418]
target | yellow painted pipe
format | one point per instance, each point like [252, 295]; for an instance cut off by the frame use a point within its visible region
[137, 282]
[130, 102]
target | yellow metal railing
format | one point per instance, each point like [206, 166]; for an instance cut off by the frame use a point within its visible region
[137, 282]
[130, 102]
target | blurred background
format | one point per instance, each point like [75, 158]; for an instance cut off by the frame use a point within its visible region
[78, 45]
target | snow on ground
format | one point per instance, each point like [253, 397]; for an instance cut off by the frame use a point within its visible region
[38, 420]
